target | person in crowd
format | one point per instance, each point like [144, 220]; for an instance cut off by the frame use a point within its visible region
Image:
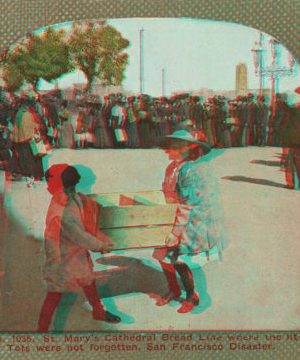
[290, 139]
[133, 129]
[83, 126]
[237, 127]
[7, 156]
[191, 182]
[263, 115]
[71, 230]
[119, 122]
[196, 113]
[280, 118]
[156, 118]
[219, 114]
[165, 109]
[102, 135]
[6, 153]
[108, 105]
[65, 133]
[244, 121]
[146, 124]
[251, 114]
[51, 114]
[232, 124]
[208, 131]
[187, 125]
[27, 130]
[5, 112]
[182, 107]
[40, 112]
[226, 122]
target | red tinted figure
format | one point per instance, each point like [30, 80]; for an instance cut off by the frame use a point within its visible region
[71, 230]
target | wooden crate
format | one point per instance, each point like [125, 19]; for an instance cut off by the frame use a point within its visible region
[136, 220]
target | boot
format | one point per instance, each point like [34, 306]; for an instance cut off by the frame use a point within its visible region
[189, 304]
[99, 313]
[166, 299]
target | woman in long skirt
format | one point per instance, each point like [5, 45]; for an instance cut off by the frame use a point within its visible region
[65, 132]
[101, 131]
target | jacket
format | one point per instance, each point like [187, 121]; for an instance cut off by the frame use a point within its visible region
[71, 226]
[199, 221]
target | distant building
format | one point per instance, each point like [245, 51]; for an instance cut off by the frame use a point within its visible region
[241, 80]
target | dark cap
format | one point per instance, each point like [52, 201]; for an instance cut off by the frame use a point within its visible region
[70, 177]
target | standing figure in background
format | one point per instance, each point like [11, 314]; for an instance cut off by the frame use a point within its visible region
[83, 127]
[134, 136]
[26, 130]
[197, 113]
[208, 122]
[281, 115]
[65, 134]
[119, 122]
[251, 113]
[244, 121]
[291, 145]
[263, 116]
[101, 132]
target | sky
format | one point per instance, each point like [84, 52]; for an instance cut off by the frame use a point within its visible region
[194, 54]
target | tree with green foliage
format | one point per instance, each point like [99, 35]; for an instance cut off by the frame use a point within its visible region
[97, 49]
[44, 56]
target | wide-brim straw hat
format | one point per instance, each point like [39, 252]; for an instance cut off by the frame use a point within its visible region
[193, 137]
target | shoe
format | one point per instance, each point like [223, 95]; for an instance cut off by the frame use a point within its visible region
[166, 299]
[189, 304]
[103, 315]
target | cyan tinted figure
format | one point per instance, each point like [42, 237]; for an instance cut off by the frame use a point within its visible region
[70, 232]
[191, 181]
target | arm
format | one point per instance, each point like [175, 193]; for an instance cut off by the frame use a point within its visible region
[72, 226]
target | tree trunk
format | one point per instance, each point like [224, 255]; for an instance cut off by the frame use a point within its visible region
[89, 85]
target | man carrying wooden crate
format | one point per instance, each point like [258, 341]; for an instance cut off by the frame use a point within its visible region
[190, 179]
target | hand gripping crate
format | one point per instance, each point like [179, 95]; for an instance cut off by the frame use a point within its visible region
[139, 220]
[136, 220]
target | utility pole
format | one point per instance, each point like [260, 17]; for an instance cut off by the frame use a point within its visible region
[141, 61]
[163, 82]
[261, 66]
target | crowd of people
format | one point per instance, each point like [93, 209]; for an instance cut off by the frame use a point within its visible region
[131, 122]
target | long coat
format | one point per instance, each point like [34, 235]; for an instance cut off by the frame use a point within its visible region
[26, 126]
[199, 221]
[71, 226]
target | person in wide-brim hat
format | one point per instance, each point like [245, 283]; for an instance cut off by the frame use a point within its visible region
[185, 141]
[191, 182]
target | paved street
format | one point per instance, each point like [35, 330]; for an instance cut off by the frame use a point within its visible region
[256, 286]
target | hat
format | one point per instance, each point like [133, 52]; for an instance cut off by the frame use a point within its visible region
[70, 176]
[297, 90]
[185, 124]
[195, 137]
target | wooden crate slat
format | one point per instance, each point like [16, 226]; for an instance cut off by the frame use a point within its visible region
[142, 237]
[115, 217]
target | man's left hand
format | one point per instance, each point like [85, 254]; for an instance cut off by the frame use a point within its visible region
[172, 240]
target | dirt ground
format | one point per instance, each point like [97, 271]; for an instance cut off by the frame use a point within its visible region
[255, 286]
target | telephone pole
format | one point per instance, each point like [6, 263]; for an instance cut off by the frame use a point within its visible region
[141, 61]
[163, 82]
